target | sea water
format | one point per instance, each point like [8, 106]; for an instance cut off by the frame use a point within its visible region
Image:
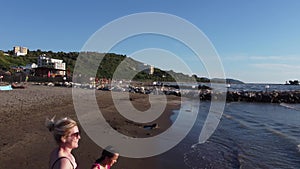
[249, 135]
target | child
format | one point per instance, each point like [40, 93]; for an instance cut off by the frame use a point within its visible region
[107, 159]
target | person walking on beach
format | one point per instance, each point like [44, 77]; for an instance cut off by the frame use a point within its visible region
[107, 159]
[66, 135]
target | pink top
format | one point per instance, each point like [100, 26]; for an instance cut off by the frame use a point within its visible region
[98, 166]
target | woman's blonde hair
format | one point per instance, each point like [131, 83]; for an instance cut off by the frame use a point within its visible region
[60, 127]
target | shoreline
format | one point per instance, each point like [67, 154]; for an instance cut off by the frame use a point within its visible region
[25, 138]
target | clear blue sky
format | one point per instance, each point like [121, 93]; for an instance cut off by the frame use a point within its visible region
[257, 40]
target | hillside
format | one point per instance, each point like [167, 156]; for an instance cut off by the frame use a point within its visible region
[106, 69]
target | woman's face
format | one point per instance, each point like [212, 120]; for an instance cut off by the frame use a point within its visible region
[73, 138]
[114, 159]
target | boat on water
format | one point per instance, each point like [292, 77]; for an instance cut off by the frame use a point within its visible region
[292, 82]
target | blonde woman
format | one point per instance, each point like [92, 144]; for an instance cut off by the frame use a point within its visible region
[66, 135]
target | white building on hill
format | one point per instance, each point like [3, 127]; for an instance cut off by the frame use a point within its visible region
[44, 61]
[53, 66]
[20, 51]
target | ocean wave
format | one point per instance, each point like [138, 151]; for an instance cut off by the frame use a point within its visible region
[212, 155]
[291, 106]
[242, 123]
[277, 132]
[291, 138]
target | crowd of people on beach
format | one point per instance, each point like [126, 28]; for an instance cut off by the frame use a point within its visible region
[67, 135]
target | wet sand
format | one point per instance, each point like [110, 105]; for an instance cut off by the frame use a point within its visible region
[26, 143]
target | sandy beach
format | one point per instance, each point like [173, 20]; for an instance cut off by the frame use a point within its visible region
[26, 143]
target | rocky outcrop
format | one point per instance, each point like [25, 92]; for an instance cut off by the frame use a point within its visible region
[267, 97]
[205, 93]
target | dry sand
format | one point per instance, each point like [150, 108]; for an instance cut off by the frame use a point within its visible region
[26, 143]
